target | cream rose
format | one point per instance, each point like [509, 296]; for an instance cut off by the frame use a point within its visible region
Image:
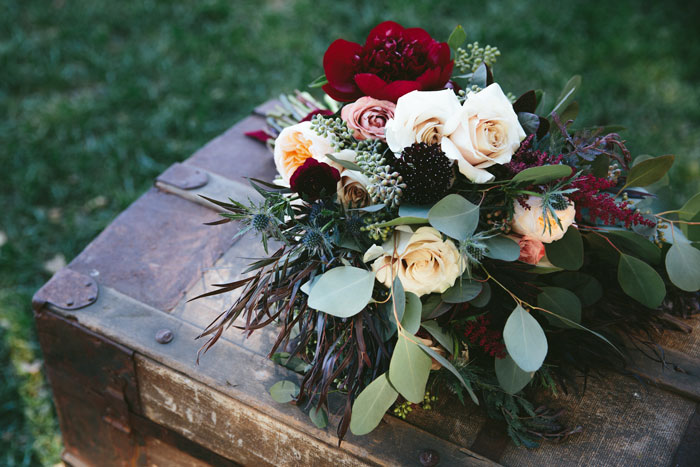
[352, 189]
[532, 223]
[484, 132]
[297, 143]
[425, 263]
[420, 117]
[367, 117]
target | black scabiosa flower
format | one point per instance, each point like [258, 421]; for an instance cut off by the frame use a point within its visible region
[427, 172]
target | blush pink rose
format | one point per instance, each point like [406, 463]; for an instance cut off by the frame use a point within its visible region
[531, 250]
[367, 117]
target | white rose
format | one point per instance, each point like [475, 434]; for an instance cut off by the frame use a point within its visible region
[484, 132]
[297, 143]
[419, 118]
[352, 189]
[425, 264]
[531, 222]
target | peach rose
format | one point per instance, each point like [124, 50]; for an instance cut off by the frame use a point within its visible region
[297, 143]
[531, 250]
[367, 117]
[532, 223]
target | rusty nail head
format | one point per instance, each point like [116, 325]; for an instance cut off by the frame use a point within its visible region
[164, 336]
[69, 303]
[429, 458]
[92, 299]
[88, 284]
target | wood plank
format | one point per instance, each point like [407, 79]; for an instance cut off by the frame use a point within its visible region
[243, 378]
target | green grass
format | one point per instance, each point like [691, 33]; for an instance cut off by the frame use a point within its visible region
[99, 97]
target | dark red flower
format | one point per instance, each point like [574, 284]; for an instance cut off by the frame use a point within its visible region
[313, 113]
[313, 180]
[394, 61]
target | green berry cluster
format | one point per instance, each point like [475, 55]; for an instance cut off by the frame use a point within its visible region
[335, 129]
[373, 231]
[469, 59]
[386, 186]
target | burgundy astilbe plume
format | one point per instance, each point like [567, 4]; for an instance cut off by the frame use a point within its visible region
[478, 333]
[526, 157]
[592, 199]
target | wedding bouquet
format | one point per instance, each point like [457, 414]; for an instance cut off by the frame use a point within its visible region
[431, 234]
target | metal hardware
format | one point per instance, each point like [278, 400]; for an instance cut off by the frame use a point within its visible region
[68, 290]
[183, 176]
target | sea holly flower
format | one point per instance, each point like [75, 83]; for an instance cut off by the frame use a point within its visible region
[393, 61]
[314, 180]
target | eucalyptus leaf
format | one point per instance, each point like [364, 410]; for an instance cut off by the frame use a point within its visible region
[511, 378]
[284, 391]
[480, 76]
[295, 363]
[454, 216]
[690, 212]
[683, 266]
[640, 281]
[529, 122]
[541, 174]
[525, 340]
[561, 302]
[484, 296]
[444, 339]
[413, 210]
[567, 252]
[448, 366]
[457, 37]
[586, 287]
[409, 369]
[343, 291]
[346, 164]
[319, 417]
[398, 299]
[567, 95]
[463, 291]
[431, 302]
[371, 405]
[635, 244]
[412, 316]
[648, 171]
[502, 247]
[409, 220]
[371, 208]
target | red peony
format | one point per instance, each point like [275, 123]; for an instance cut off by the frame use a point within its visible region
[394, 61]
[313, 180]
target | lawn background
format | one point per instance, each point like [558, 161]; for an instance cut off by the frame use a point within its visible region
[99, 97]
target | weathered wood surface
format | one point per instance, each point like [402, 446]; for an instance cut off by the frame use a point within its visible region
[157, 255]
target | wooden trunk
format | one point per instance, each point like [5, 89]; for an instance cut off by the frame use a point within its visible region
[118, 336]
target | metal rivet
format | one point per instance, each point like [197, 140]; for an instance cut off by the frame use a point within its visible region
[164, 336]
[69, 303]
[92, 299]
[88, 284]
[429, 458]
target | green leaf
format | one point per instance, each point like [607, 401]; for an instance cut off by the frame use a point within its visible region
[690, 212]
[502, 247]
[371, 405]
[541, 174]
[636, 245]
[441, 336]
[600, 166]
[398, 299]
[319, 417]
[561, 302]
[411, 318]
[463, 291]
[529, 122]
[294, 363]
[402, 221]
[343, 291]
[525, 340]
[640, 281]
[454, 216]
[648, 171]
[683, 266]
[570, 113]
[480, 76]
[409, 369]
[431, 303]
[284, 391]
[511, 378]
[447, 365]
[567, 95]
[412, 210]
[586, 287]
[484, 296]
[319, 82]
[457, 37]
[346, 164]
[567, 252]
